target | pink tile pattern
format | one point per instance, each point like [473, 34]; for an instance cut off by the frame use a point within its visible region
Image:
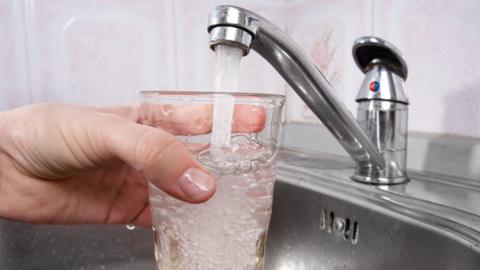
[326, 30]
[440, 40]
[103, 52]
[98, 53]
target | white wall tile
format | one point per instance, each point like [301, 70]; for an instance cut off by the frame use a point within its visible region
[14, 88]
[195, 61]
[103, 52]
[98, 53]
[326, 30]
[440, 40]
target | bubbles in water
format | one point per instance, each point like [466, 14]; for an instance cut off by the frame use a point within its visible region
[229, 230]
[243, 155]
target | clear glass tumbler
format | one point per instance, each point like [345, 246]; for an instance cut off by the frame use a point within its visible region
[227, 232]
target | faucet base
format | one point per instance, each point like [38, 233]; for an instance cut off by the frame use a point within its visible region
[379, 180]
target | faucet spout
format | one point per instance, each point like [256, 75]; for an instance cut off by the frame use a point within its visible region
[240, 27]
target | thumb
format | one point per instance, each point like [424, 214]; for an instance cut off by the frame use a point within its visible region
[164, 161]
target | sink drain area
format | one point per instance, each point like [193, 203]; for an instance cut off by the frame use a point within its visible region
[343, 227]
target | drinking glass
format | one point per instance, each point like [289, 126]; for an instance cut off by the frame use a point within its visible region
[227, 232]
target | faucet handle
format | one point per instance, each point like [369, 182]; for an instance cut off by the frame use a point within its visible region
[371, 51]
[383, 108]
[385, 70]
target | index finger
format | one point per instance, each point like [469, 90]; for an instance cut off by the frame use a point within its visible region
[197, 119]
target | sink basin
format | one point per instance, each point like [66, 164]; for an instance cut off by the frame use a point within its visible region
[321, 220]
[79, 247]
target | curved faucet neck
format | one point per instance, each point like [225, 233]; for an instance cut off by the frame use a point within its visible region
[302, 75]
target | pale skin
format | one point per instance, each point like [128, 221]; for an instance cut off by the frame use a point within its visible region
[66, 164]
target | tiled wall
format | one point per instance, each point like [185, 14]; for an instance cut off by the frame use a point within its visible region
[103, 52]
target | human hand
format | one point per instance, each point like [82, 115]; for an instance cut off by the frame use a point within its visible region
[65, 164]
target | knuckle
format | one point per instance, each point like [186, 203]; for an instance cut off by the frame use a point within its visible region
[200, 125]
[152, 145]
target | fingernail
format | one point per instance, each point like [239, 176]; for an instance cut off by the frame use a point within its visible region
[195, 182]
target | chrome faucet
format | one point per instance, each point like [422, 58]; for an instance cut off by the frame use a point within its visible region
[377, 142]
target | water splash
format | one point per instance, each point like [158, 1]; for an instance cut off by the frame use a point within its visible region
[130, 227]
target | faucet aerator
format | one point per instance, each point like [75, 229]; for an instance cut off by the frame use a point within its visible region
[230, 35]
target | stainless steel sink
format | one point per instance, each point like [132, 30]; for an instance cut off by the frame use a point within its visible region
[84, 247]
[321, 220]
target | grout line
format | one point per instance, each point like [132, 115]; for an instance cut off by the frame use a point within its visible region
[286, 110]
[29, 34]
[285, 114]
[285, 7]
[372, 16]
[174, 41]
[21, 54]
